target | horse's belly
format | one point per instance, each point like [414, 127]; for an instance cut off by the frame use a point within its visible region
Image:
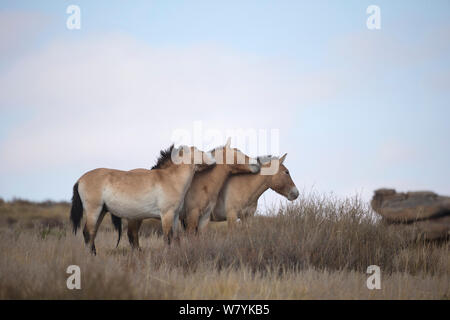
[136, 212]
[133, 207]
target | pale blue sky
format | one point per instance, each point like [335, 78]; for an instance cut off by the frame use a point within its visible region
[357, 109]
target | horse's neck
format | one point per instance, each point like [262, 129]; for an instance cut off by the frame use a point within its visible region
[216, 179]
[255, 186]
[184, 174]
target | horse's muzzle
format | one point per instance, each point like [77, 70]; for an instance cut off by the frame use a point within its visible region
[293, 194]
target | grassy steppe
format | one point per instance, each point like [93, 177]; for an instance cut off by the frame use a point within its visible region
[319, 247]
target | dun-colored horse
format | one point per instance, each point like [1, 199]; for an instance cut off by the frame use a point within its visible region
[157, 193]
[239, 196]
[202, 195]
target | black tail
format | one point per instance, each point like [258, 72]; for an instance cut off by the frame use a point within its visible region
[117, 222]
[76, 212]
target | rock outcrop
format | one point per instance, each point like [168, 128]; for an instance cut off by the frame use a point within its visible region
[426, 211]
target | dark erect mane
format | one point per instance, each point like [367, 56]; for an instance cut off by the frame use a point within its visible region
[216, 148]
[265, 159]
[164, 156]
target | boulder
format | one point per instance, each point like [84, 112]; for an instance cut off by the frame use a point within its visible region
[427, 212]
[409, 206]
[433, 229]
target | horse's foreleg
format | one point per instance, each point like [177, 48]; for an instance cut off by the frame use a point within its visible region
[192, 218]
[247, 213]
[133, 232]
[232, 218]
[176, 227]
[167, 221]
[203, 221]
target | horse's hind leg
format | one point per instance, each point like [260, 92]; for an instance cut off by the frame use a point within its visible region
[133, 232]
[94, 217]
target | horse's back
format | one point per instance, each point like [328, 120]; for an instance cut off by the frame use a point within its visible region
[94, 183]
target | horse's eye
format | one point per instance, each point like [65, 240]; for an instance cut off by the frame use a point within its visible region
[287, 172]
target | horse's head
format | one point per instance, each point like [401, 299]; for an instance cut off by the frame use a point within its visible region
[235, 160]
[281, 182]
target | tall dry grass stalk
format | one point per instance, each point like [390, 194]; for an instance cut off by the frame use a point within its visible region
[316, 248]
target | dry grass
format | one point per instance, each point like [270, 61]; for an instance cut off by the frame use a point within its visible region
[317, 248]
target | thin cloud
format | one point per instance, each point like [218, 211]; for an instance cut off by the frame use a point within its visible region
[19, 30]
[112, 97]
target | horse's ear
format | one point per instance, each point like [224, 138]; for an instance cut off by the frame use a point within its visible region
[283, 158]
[228, 144]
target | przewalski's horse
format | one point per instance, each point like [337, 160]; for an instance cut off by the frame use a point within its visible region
[202, 196]
[138, 195]
[239, 196]
[204, 190]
